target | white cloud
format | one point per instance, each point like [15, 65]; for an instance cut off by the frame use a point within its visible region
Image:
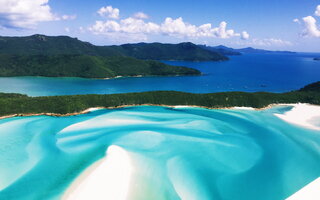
[109, 12]
[317, 12]
[24, 13]
[141, 15]
[177, 27]
[27, 13]
[245, 35]
[129, 26]
[311, 28]
[172, 27]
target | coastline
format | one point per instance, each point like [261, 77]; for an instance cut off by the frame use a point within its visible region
[88, 110]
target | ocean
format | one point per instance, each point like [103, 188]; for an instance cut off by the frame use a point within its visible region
[248, 72]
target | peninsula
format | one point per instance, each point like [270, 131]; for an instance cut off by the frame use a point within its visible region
[18, 104]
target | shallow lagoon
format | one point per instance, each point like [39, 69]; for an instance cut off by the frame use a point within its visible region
[249, 72]
[188, 153]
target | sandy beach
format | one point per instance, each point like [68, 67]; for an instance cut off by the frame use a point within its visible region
[108, 178]
[309, 192]
[304, 115]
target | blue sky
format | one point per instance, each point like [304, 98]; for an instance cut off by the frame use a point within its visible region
[273, 24]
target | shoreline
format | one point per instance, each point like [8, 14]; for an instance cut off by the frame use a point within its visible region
[88, 110]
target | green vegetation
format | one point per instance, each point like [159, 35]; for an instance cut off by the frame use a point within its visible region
[20, 104]
[222, 50]
[62, 56]
[60, 45]
[156, 51]
[51, 45]
[313, 87]
[85, 66]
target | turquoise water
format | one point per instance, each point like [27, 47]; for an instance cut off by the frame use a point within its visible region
[211, 154]
[249, 72]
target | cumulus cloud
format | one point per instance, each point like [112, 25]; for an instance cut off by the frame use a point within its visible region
[311, 28]
[245, 35]
[137, 25]
[141, 15]
[317, 12]
[109, 12]
[27, 13]
[24, 13]
[128, 25]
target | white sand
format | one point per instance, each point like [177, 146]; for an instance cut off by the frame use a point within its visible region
[108, 178]
[304, 115]
[92, 109]
[309, 192]
[243, 108]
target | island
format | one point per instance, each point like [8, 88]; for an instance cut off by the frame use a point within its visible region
[227, 51]
[63, 56]
[86, 66]
[17, 104]
[318, 59]
[61, 45]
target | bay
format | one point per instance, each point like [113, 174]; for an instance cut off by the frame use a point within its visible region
[249, 72]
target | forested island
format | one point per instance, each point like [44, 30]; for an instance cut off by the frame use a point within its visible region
[18, 104]
[86, 66]
[63, 56]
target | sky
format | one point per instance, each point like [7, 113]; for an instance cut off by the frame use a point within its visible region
[274, 24]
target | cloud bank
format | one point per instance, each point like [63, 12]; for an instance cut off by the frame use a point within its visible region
[109, 12]
[138, 26]
[27, 13]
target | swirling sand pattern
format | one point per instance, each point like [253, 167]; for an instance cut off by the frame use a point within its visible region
[177, 153]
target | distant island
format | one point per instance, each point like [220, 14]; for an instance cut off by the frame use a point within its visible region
[227, 51]
[317, 59]
[18, 104]
[253, 50]
[63, 56]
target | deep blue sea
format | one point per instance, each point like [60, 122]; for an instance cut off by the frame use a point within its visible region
[175, 153]
[249, 72]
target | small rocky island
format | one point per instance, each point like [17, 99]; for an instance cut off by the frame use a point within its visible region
[318, 59]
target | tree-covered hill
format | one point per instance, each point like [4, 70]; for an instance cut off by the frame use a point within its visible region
[157, 51]
[21, 104]
[56, 45]
[313, 87]
[85, 66]
[51, 45]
